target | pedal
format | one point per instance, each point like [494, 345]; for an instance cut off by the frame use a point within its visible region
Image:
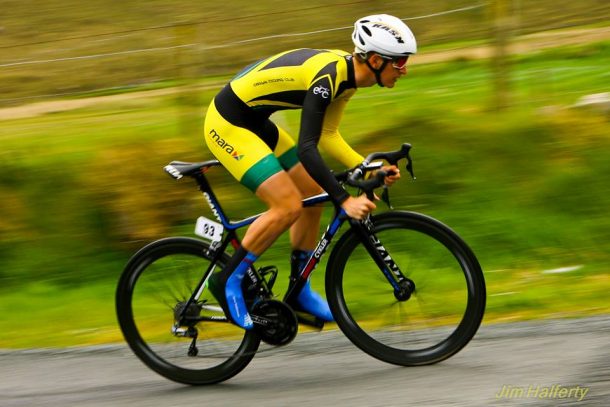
[309, 320]
[270, 271]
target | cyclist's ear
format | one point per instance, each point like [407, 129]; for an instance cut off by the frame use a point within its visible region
[376, 61]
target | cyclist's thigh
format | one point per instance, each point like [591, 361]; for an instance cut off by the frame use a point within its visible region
[278, 140]
[285, 150]
[306, 184]
[241, 151]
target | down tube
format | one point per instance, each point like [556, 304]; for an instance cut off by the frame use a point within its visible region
[314, 259]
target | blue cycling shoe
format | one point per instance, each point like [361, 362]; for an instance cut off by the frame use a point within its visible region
[312, 303]
[308, 300]
[226, 286]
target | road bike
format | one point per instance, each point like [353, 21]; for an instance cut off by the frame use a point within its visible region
[402, 286]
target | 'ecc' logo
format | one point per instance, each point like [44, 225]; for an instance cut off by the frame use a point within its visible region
[322, 91]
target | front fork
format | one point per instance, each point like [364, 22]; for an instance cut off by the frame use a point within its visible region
[403, 286]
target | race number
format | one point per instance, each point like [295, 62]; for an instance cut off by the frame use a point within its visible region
[209, 229]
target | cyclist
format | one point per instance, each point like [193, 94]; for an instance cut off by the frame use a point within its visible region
[264, 158]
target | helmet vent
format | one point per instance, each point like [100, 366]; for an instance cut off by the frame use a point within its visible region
[361, 40]
[367, 31]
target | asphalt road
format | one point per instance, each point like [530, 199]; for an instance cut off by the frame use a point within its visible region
[561, 362]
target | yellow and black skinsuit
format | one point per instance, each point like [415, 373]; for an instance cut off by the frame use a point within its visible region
[241, 136]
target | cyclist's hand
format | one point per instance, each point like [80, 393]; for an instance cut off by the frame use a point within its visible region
[390, 179]
[358, 207]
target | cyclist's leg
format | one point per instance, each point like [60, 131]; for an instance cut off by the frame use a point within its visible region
[249, 159]
[284, 201]
[304, 232]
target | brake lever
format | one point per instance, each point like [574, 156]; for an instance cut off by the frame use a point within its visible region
[385, 197]
[410, 166]
[375, 182]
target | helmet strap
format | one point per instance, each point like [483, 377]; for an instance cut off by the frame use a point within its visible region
[377, 72]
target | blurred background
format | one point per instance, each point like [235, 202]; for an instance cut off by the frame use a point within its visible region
[506, 105]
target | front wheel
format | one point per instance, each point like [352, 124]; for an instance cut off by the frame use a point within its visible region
[153, 293]
[446, 304]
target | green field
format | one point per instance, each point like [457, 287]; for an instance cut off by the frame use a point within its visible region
[83, 188]
[525, 188]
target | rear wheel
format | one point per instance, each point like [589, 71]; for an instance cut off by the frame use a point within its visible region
[438, 309]
[153, 292]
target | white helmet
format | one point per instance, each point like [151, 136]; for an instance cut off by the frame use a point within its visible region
[383, 34]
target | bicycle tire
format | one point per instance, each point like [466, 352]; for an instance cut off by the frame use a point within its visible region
[157, 278]
[435, 258]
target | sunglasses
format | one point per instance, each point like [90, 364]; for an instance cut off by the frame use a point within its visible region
[397, 62]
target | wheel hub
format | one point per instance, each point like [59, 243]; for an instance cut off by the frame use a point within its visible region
[407, 287]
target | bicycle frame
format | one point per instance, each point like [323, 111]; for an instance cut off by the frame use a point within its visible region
[364, 229]
[165, 283]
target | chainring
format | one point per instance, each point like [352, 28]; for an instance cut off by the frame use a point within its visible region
[274, 322]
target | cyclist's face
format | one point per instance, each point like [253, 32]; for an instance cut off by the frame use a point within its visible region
[393, 71]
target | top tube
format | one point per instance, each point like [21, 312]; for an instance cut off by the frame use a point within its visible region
[180, 169]
[233, 225]
[353, 177]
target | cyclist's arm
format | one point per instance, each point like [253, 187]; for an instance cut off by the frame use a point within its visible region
[331, 140]
[315, 107]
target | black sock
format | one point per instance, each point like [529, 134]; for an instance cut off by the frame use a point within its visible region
[297, 258]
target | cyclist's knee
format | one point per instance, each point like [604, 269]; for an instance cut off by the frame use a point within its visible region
[288, 210]
[295, 211]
